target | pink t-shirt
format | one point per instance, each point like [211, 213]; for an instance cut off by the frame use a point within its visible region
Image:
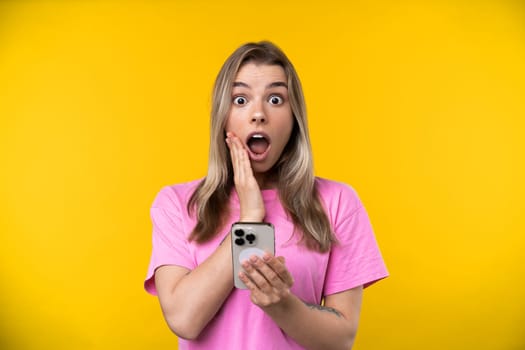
[239, 324]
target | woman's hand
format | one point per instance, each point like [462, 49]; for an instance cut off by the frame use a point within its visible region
[332, 326]
[250, 198]
[268, 280]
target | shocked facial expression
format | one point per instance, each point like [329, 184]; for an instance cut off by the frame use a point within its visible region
[260, 113]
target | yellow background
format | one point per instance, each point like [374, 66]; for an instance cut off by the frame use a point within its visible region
[418, 104]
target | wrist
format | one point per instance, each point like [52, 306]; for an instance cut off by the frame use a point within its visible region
[251, 217]
[284, 307]
[249, 214]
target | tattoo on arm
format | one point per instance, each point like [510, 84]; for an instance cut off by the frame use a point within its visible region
[324, 308]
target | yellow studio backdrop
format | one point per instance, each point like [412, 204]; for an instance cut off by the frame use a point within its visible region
[418, 105]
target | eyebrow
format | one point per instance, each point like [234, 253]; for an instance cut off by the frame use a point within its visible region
[269, 86]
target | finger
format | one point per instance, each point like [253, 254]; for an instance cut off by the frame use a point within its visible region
[244, 157]
[239, 156]
[257, 278]
[269, 256]
[236, 156]
[272, 277]
[239, 145]
[278, 265]
[257, 297]
[243, 160]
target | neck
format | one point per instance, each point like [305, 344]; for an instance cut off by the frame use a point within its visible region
[265, 181]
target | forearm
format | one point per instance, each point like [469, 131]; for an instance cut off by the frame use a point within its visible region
[314, 327]
[196, 298]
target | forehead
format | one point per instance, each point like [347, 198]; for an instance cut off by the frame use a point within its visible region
[252, 72]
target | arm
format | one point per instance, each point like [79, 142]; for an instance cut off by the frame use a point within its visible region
[190, 299]
[315, 327]
[332, 326]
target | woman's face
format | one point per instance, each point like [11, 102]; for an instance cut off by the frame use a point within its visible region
[260, 113]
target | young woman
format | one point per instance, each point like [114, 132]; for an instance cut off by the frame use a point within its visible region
[307, 296]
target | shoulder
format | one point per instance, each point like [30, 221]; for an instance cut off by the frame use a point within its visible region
[340, 200]
[337, 195]
[173, 196]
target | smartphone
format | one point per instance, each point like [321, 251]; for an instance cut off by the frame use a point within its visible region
[250, 238]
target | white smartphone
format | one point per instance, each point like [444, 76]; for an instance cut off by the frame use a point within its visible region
[250, 238]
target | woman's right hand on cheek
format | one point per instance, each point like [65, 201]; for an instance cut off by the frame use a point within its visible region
[250, 197]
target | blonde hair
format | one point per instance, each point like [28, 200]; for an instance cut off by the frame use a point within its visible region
[295, 177]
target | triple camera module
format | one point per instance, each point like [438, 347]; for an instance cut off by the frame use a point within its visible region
[242, 237]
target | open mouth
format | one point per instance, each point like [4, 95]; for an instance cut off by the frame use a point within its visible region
[258, 144]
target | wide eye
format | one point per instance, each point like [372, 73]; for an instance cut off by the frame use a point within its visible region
[239, 100]
[275, 100]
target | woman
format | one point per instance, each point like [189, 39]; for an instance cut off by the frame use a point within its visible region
[260, 169]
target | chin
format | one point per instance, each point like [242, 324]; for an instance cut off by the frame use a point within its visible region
[262, 167]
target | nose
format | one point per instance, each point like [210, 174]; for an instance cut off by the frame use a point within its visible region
[258, 118]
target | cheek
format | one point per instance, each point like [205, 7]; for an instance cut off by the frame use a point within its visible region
[285, 131]
[227, 127]
[287, 123]
[230, 122]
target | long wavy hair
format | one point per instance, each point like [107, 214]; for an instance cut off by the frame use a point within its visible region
[294, 170]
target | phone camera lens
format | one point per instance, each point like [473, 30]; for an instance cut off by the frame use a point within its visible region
[239, 232]
[250, 237]
[239, 241]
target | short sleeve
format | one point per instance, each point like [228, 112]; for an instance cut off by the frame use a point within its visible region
[169, 241]
[355, 259]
